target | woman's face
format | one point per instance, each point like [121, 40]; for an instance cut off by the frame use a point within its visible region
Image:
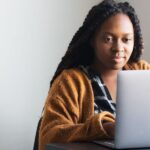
[113, 42]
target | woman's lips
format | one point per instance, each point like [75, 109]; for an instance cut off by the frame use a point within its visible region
[118, 59]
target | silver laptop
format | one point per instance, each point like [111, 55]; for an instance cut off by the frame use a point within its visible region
[132, 128]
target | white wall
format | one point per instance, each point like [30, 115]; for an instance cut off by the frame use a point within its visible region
[34, 35]
[143, 10]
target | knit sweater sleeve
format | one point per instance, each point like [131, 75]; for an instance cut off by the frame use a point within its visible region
[140, 65]
[68, 114]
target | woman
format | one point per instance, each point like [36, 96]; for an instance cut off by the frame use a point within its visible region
[80, 105]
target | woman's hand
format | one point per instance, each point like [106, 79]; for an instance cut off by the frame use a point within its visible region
[109, 127]
[107, 121]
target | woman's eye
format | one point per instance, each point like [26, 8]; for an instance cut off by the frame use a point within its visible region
[126, 40]
[108, 39]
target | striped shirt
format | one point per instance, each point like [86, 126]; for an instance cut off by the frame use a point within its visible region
[102, 97]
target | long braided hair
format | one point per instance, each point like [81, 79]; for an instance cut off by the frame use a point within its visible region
[80, 51]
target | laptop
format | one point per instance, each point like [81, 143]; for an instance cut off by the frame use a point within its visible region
[132, 128]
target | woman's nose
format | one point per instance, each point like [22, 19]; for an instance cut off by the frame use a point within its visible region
[118, 47]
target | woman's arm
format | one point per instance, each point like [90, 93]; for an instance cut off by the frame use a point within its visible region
[68, 114]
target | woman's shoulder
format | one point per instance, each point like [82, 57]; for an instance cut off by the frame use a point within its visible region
[75, 75]
[72, 80]
[140, 65]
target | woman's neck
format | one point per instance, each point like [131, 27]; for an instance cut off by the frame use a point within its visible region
[109, 77]
[105, 72]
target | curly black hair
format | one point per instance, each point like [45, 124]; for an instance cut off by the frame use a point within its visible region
[80, 51]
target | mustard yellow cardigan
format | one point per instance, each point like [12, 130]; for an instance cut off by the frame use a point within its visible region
[69, 109]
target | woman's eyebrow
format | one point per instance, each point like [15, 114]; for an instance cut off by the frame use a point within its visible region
[129, 34]
[113, 34]
[108, 33]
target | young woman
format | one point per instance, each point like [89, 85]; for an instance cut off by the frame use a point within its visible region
[80, 105]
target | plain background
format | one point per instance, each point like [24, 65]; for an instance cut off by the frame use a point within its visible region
[34, 34]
